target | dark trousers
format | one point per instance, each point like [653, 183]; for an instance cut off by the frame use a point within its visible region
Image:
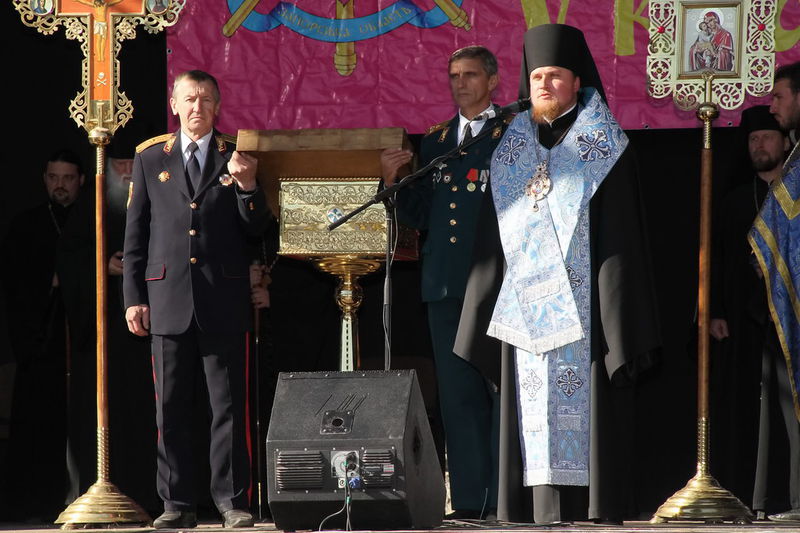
[176, 360]
[470, 414]
[775, 381]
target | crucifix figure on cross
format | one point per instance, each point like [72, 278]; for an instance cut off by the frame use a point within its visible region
[100, 27]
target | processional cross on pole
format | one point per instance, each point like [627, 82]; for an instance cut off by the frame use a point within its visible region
[100, 26]
[100, 108]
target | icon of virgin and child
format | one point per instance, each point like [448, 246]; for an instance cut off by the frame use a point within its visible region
[713, 47]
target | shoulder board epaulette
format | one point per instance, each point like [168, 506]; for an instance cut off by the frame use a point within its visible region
[228, 138]
[223, 138]
[437, 127]
[150, 142]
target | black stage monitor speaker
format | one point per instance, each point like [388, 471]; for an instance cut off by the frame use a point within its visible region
[364, 434]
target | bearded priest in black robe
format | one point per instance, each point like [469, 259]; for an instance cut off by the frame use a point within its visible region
[560, 304]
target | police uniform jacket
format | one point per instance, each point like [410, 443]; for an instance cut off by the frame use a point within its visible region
[186, 253]
[446, 204]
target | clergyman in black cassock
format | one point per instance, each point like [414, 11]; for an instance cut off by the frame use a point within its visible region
[624, 339]
[47, 265]
[744, 358]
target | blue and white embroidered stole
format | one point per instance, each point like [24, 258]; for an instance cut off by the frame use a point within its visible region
[544, 304]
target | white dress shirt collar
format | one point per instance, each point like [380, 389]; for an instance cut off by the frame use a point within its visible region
[476, 125]
[202, 147]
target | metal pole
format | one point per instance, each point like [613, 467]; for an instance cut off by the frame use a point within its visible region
[103, 503]
[703, 499]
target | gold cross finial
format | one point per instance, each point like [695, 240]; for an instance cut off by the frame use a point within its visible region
[100, 26]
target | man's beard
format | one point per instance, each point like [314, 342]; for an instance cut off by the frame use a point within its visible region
[116, 189]
[794, 119]
[765, 162]
[547, 111]
[116, 196]
[59, 196]
[791, 121]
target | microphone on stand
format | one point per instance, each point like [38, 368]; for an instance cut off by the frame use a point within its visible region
[520, 105]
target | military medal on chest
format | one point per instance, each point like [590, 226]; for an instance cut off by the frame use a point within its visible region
[437, 174]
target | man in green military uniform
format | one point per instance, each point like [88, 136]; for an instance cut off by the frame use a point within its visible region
[445, 204]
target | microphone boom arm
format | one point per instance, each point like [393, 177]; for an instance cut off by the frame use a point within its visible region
[387, 192]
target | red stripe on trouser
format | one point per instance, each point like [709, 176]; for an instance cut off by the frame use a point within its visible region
[155, 390]
[247, 413]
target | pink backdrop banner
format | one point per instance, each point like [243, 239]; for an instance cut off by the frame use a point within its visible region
[277, 70]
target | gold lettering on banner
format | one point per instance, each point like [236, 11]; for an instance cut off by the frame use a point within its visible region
[784, 38]
[389, 18]
[536, 12]
[625, 19]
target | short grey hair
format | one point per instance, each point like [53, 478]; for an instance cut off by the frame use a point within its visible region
[197, 76]
[476, 52]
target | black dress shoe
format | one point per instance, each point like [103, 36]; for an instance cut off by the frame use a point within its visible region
[175, 520]
[608, 521]
[792, 515]
[237, 518]
[463, 514]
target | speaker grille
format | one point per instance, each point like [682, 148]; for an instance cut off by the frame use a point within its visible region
[299, 469]
[377, 468]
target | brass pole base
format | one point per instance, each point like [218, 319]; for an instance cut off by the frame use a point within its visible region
[103, 503]
[702, 499]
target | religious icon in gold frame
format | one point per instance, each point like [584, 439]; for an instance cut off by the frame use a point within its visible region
[733, 40]
[710, 39]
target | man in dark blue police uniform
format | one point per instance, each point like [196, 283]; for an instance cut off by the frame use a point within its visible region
[446, 205]
[193, 201]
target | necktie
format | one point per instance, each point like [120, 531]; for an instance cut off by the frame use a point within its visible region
[193, 166]
[467, 133]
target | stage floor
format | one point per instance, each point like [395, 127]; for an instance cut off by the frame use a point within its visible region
[488, 527]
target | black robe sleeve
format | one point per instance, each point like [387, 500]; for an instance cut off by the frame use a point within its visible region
[624, 315]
